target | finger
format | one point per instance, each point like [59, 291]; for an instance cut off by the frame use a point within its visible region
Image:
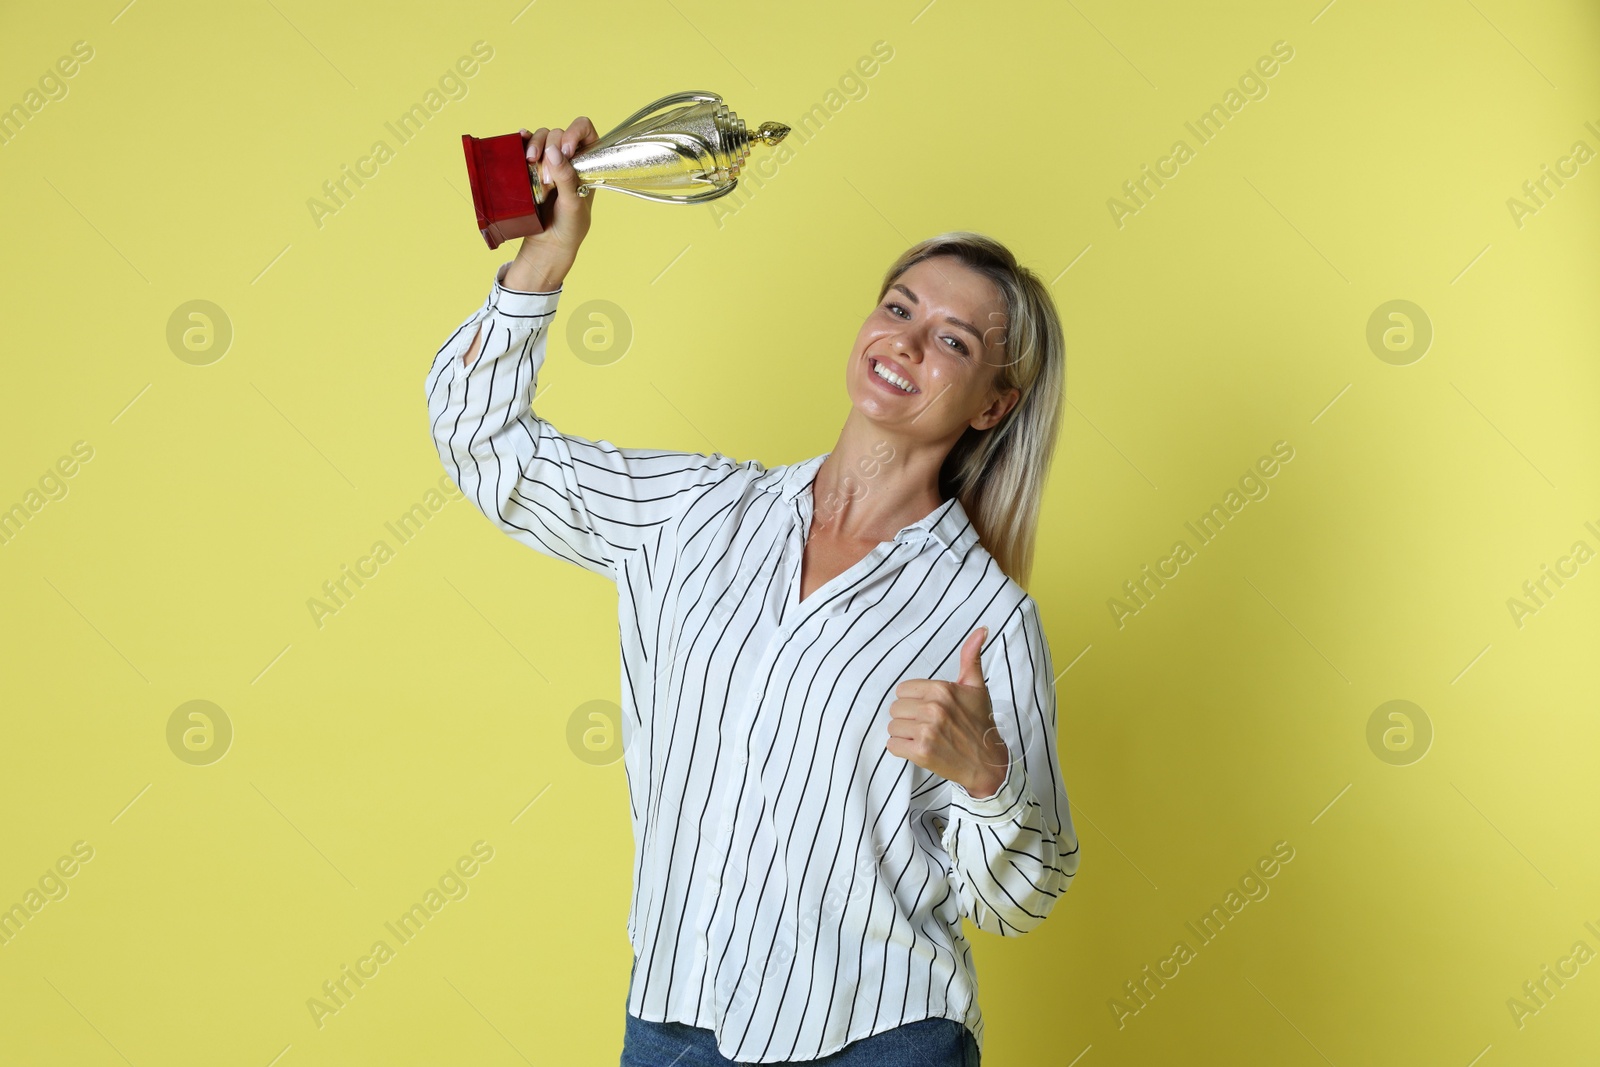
[911, 710]
[906, 730]
[919, 688]
[552, 138]
[535, 151]
[533, 146]
[572, 137]
[971, 667]
[561, 170]
[582, 133]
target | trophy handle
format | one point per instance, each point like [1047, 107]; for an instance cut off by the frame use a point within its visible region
[686, 97]
[663, 198]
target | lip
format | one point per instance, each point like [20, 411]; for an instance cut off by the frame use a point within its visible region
[891, 388]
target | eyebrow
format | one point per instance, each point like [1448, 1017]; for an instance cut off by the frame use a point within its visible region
[951, 318]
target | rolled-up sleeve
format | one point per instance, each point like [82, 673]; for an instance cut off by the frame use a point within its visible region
[585, 501]
[1013, 854]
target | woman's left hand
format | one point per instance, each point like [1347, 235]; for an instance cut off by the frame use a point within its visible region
[948, 727]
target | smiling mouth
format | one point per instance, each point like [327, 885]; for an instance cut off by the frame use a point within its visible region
[898, 382]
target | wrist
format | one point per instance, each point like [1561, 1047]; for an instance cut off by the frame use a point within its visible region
[536, 273]
[985, 786]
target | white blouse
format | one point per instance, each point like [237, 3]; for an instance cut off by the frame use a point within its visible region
[796, 886]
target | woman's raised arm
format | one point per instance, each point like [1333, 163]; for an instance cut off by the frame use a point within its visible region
[569, 497]
[588, 502]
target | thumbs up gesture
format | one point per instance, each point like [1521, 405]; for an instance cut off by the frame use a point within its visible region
[948, 727]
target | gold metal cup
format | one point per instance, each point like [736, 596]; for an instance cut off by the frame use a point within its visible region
[685, 148]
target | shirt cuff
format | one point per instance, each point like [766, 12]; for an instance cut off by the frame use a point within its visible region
[517, 303]
[1004, 806]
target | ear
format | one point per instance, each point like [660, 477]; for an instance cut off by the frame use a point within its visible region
[998, 410]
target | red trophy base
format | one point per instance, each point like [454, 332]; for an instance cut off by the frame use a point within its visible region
[502, 188]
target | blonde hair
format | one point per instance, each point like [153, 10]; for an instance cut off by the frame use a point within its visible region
[998, 474]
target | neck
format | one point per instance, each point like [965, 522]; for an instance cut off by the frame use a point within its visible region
[873, 485]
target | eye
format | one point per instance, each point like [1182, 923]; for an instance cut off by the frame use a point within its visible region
[955, 342]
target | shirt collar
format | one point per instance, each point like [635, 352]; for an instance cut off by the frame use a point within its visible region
[948, 523]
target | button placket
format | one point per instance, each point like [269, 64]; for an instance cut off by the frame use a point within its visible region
[788, 622]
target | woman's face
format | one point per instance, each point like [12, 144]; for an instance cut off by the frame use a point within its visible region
[941, 329]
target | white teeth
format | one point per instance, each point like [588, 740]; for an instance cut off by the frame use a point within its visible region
[889, 376]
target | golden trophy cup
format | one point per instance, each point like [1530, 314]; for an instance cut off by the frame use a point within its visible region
[685, 148]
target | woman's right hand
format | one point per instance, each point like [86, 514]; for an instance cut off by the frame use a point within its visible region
[544, 258]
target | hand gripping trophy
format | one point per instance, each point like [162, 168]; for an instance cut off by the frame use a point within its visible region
[685, 148]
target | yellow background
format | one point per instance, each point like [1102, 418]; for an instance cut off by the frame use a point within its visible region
[433, 709]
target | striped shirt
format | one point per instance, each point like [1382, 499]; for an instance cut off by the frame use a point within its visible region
[796, 886]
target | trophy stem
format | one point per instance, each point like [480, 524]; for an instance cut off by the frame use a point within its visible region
[538, 186]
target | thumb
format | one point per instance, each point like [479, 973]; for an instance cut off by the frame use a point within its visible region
[971, 668]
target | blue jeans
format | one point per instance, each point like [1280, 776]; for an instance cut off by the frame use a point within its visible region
[924, 1043]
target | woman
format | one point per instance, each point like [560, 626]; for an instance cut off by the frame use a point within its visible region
[839, 709]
